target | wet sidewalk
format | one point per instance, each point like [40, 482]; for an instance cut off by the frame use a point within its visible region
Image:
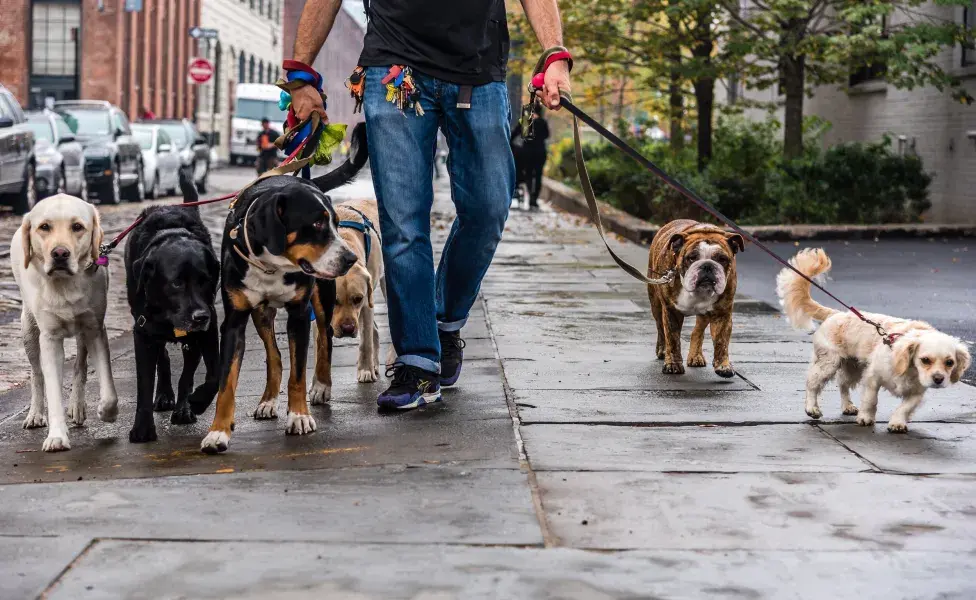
[563, 465]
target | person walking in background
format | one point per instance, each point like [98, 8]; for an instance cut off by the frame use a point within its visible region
[146, 115]
[267, 151]
[429, 65]
[533, 157]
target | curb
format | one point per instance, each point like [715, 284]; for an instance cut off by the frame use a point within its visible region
[569, 200]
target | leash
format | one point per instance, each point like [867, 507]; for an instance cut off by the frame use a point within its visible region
[362, 228]
[555, 54]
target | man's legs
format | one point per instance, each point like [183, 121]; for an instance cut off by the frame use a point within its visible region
[401, 153]
[482, 173]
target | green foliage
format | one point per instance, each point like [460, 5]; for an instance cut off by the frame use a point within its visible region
[749, 181]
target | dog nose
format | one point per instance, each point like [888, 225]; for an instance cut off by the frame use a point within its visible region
[200, 317]
[60, 253]
[348, 260]
[347, 328]
[938, 378]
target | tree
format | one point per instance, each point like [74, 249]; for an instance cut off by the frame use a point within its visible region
[801, 44]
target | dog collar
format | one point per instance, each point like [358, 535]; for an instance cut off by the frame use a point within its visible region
[362, 228]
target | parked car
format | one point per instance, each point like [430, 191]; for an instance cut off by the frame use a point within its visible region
[18, 187]
[113, 159]
[193, 148]
[160, 158]
[59, 156]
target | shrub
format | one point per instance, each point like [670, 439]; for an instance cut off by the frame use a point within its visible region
[749, 180]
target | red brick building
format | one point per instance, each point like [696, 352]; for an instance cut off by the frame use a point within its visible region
[95, 49]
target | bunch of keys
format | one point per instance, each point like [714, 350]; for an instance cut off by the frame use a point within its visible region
[529, 114]
[401, 89]
[357, 87]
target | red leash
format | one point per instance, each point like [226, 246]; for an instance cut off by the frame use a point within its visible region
[106, 249]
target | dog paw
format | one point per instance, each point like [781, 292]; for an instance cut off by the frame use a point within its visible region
[108, 410]
[216, 441]
[141, 434]
[76, 413]
[673, 369]
[659, 353]
[697, 361]
[367, 375]
[897, 427]
[850, 410]
[201, 398]
[266, 410]
[814, 413]
[725, 371]
[182, 415]
[865, 421]
[56, 443]
[320, 393]
[165, 401]
[299, 424]
[35, 420]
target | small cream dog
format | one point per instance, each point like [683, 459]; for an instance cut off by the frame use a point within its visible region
[64, 294]
[920, 357]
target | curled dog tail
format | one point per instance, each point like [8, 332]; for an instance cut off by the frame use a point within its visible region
[344, 173]
[187, 187]
[794, 291]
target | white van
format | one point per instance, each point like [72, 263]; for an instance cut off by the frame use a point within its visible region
[254, 101]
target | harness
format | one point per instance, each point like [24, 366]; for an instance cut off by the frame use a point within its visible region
[363, 228]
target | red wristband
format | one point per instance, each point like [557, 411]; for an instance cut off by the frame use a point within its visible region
[538, 80]
[295, 65]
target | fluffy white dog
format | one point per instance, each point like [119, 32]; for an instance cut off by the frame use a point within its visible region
[920, 357]
[65, 294]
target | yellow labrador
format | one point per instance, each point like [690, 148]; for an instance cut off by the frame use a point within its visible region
[64, 294]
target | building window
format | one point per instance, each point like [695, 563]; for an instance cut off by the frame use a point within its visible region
[241, 69]
[252, 4]
[277, 73]
[260, 71]
[969, 48]
[260, 7]
[872, 70]
[55, 37]
[250, 70]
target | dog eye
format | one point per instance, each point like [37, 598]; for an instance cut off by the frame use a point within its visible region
[320, 224]
[44, 227]
[76, 227]
[177, 284]
[357, 299]
[926, 361]
[722, 260]
[950, 362]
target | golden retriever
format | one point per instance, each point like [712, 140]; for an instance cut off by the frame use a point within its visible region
[65, 294]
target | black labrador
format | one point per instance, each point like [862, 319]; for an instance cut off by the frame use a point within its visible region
[172, 274]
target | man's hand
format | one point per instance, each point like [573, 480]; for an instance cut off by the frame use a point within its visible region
[556, 80]
[306, 100]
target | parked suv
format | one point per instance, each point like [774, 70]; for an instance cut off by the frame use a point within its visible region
[193, 148]
[60, 159]
[113, 158]
[17, 166]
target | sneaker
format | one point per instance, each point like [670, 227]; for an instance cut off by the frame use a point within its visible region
[411, 387]
[452, 355]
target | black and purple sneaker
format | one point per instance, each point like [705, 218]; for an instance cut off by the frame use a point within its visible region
[452, 355]
[411, 387]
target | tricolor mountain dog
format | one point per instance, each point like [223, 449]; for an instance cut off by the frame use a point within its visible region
[171, 280]
[703, 257]
[281, 249]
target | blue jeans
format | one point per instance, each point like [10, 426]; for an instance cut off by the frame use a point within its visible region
[482, 170]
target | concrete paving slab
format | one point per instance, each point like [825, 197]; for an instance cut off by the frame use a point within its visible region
[761, 511]
[762, 448]
[133, 569]
[381, 505]
[28, 564]
[926, 448]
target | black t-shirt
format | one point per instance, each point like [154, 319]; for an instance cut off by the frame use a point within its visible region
[460, 41]
[271, 136]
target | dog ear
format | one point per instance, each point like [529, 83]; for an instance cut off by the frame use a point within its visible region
[25, 232]
[98, 235]
[369, 287]
[904, 353]
[143, 269]
[266, 225]
[735, 242]
[676, 242]
[962, 363]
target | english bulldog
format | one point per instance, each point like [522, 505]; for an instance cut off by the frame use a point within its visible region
[703, 259]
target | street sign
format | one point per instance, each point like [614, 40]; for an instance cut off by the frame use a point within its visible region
[133, 5]
[200, 70]
[203, 33]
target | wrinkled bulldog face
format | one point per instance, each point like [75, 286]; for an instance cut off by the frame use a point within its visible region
[704, 268]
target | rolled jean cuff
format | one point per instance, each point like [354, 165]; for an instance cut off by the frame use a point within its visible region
[452, 326]
[420, 362]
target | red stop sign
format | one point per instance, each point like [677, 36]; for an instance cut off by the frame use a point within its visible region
[200, 70]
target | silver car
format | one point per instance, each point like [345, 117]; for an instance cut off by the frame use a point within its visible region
[161, 159]
[59, 157]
